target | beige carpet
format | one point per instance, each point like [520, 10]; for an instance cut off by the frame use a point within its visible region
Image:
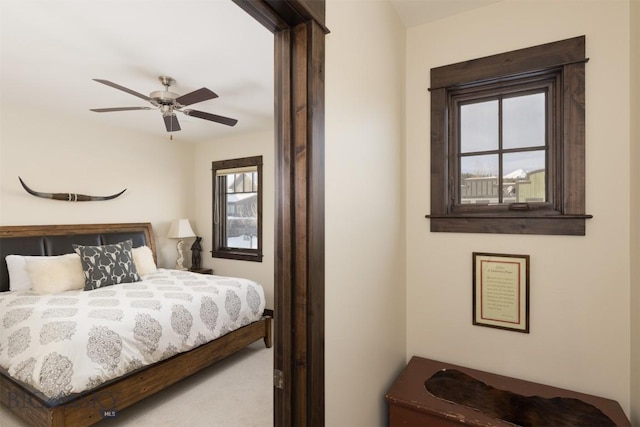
[235, 392]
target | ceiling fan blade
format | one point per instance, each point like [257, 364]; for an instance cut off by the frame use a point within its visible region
[108, 110]
[124, 89]
[171, 123]
[196, 96]
[211, 117]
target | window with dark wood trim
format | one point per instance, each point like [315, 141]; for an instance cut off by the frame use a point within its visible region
[237, 209]
[507, 142]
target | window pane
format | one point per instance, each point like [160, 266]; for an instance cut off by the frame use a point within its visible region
[523, 121]
[231, 179]
[479, 179]
[242, 221]
[479, 127]
[525, 177]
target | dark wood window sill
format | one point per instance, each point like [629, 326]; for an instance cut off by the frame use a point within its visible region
[243, 256]
[571, 225]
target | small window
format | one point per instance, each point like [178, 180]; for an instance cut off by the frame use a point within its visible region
[507, 142]
[502, 146]
[237, 209]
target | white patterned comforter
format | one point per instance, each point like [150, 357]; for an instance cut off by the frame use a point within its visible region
[69, 342]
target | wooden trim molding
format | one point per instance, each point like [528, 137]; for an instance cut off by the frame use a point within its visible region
[299, 30]
[530, 59]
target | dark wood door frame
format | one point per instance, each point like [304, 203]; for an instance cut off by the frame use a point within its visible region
[299, 30]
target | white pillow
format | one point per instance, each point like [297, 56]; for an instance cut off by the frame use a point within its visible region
[143, 259]
[55, 274]
[19, 279]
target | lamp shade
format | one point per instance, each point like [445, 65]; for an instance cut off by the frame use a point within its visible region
[180, 228]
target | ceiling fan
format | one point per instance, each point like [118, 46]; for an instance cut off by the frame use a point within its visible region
[168, 103]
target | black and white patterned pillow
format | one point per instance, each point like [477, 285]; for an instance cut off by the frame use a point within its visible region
[107, 265]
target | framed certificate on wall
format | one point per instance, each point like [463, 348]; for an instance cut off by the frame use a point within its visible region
[501, 291]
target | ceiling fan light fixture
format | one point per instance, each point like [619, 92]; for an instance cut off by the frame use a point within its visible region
[163, 97]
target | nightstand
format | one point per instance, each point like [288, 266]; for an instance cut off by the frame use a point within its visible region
[202, 270]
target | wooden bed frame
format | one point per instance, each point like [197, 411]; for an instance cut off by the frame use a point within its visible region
[92, 406]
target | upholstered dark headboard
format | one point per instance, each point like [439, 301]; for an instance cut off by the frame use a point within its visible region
[58, 239]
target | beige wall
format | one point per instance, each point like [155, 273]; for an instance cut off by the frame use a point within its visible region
[635, 212]
[55, 153]
[365, 291]
[580, 286]
[247, 145]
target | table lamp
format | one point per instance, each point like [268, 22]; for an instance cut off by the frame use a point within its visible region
[180, 229]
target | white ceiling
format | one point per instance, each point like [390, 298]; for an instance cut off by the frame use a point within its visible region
[52, 49]
[416, 12]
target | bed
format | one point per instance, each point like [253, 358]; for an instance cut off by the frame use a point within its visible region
[45, 393]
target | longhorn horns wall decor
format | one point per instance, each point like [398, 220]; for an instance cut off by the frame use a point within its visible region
[69, 197]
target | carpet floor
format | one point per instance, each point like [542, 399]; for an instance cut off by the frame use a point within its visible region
[235, 392]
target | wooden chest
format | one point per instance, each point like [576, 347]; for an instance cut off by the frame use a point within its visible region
[410, 404]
